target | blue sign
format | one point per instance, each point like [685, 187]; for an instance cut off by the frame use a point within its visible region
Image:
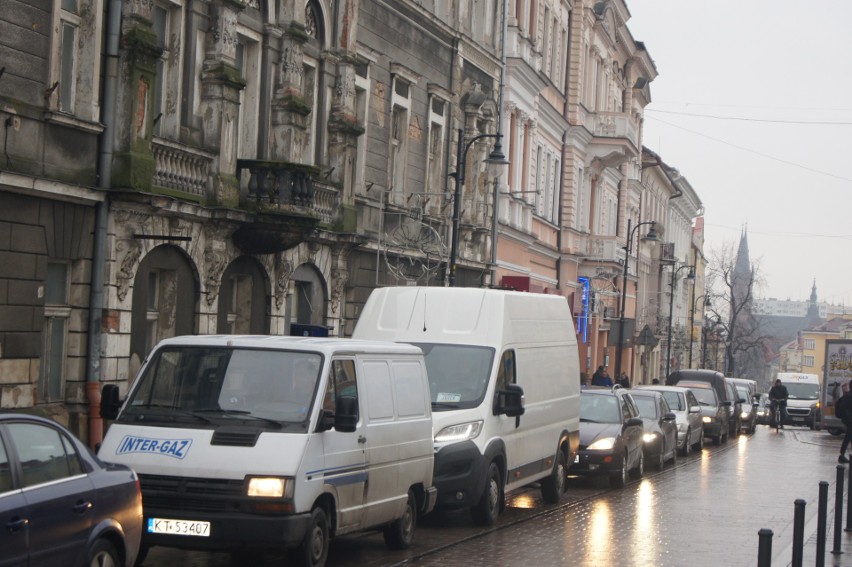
[175, 448]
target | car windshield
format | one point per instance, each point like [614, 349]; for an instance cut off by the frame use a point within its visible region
[675, 400]
[599, 409]
[458, 374]
[206, 384]
[705, 396]
[743, 392]
[647, 406]
[803, 391]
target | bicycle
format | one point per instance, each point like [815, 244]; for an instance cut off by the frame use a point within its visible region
[776, 414]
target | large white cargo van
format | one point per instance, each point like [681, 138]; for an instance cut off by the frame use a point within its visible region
[505, 383]
[803, 401]
[250, 442]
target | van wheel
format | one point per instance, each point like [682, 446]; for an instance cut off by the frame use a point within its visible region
[103, 554]
[314, 549]
[400, 533]
[553, 487]
[485, 511]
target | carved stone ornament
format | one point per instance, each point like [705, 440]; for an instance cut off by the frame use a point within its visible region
[283, 272]
[215, 262]
[338, 283]
[127, 267]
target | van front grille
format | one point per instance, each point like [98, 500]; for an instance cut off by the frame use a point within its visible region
[191, 494]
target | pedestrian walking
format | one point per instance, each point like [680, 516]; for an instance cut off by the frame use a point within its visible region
[843, 411]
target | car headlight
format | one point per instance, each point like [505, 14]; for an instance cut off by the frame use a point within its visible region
[649, 437]
[707, 419]
[460, 432]
[270, 487]
[604, 444]
[744, 415]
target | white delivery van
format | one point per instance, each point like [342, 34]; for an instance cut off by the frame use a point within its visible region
[259, 442]
[505, 381]
[803, 401]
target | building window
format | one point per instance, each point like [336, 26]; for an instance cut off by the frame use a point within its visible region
[400, 115]
[435, 158]
[239, 317]
[362, 106]
[74, 79]
[57, 312]
[248, 64]
[166, 23]
[161, 309]
[810, 344]
[807, 360]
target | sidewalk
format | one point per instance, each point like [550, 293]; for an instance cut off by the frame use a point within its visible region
[825, 470]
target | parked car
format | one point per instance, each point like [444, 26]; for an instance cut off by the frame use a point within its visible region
[659, 441]
[59, 503]
[748, 413]
[610, 436]
[714, 413]
[687, 410]
[735, 420]
[719, 384]
[761, 412]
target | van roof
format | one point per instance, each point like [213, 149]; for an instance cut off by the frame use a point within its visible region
[318, 344]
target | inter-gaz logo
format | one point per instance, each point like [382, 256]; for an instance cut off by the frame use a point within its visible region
[176, 448]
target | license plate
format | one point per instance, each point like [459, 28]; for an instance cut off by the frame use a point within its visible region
[178, 527]
[798, 419]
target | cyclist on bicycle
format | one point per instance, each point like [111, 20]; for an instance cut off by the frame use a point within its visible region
[778, 398]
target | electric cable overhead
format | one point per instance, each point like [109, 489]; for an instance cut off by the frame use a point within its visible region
[743, 119]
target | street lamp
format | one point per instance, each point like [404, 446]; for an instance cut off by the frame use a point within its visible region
[652, 235]
[495, 162]
[690, 276]
[707, 303]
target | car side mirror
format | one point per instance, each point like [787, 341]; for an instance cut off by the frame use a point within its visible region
[633, 421]
[726, 403]
[694, 409]
[346, 414]
[110, 402]
[510, 401]
[741, 400]
[670, 416]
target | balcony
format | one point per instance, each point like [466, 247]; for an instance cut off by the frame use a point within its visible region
[289, 203]
[181, 169]
[615, 135]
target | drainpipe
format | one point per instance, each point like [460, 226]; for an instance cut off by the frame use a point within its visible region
[96, 293]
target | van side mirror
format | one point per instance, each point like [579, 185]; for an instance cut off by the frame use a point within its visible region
[346, 414]
[510, 401]
[110, 403]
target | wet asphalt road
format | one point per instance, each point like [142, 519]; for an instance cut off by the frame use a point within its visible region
[705, 510]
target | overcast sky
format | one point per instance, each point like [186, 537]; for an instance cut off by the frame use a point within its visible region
[753, 105]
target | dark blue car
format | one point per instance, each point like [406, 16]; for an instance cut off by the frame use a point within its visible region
[59, 503]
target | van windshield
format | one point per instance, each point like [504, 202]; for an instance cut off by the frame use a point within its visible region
[208, 385]
[458, 374]
[802, 391]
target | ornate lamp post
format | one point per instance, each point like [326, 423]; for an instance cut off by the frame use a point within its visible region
[495, 161]
[652, 235]
[690, 276]
[707, 303]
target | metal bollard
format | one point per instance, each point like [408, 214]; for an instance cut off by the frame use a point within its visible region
[838, 510]
[798, 533]
[821, 523]
[764, 548]
[849, 504]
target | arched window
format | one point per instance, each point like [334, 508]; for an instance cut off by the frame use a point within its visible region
[243, 299]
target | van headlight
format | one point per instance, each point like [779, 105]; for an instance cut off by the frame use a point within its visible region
[460, 432]
[270, 487]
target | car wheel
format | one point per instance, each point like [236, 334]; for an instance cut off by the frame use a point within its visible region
[661, 458]
[553, 487]
[485, 511]
[700, 444]
[687, 447]
[314, 549]
[640, 468]
[620, 480]
[400, 533]
[103, 554]
[674, 454]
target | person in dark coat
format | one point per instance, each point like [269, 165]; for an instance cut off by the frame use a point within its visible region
[843, 410]
[602, 378]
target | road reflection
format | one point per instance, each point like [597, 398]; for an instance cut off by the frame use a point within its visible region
[601, 533]
[646, 525]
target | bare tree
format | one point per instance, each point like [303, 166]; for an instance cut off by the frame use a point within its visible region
[732, 288]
